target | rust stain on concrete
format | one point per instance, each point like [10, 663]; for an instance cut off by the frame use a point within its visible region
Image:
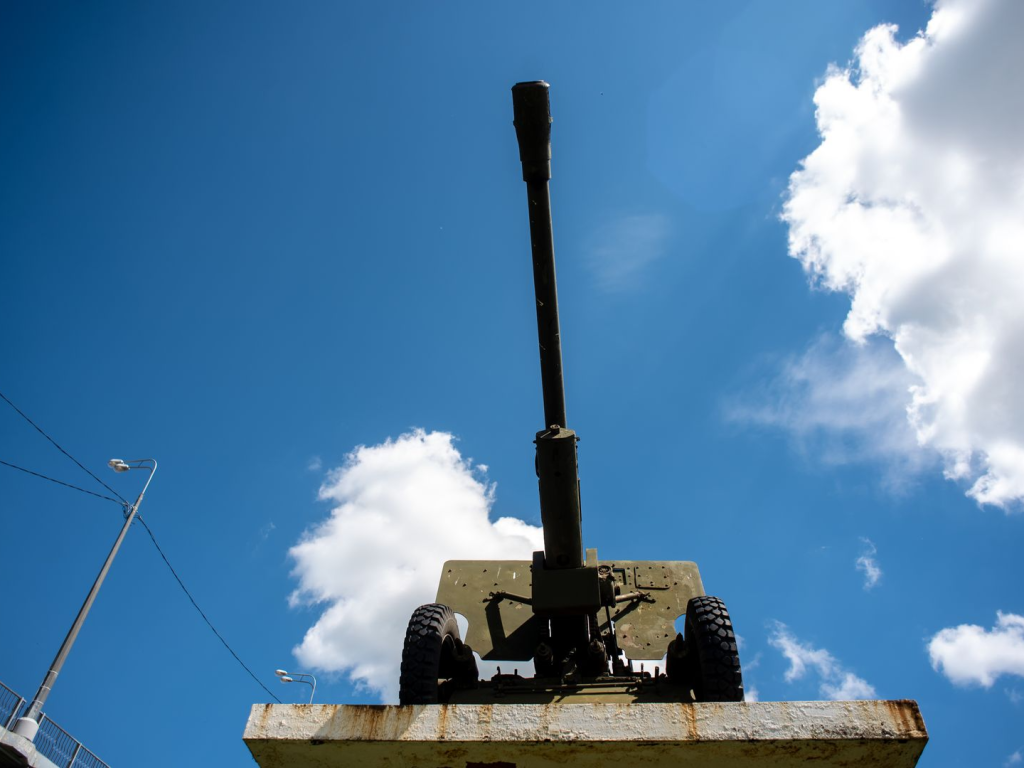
[907, 714]
[484, 717]
[380, 722]
[442, 722]
[689, 717]
[264, 714]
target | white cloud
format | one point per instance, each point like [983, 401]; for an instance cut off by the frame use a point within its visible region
[842, 403]
[750, 691]
[315, 464]
[867, 563]
[836, 684]
[911, 205]
[400, 510]
[969, 654]
[1015, 759]
[624, 248]
[847, 688]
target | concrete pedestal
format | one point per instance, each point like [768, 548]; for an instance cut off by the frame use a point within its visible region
[764, 734]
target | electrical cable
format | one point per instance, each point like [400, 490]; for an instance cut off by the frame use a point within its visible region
[40, 431]
[58, 482]
[196, 606]
[126, 505]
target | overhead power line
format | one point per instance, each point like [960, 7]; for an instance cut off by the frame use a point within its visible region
[40, 431]
[124, 503]
[196, 606]
[58, 482]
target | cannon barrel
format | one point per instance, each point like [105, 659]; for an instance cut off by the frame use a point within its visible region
[557, 468]
[532, 119]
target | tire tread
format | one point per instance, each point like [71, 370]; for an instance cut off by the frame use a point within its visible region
[711, 643]
[421, 653]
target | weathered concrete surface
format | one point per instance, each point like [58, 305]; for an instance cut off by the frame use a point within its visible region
[17, 750]
[773, 734]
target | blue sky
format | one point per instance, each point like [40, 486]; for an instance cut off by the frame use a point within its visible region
[248, 238]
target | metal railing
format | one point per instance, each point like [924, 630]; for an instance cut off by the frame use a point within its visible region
[52, 742]
[10, 706]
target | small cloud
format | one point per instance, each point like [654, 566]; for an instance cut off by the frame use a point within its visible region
[750, 691]
[836, 684]
[266, 530]
[848, 688]
[867, 563]
[623, 249]
[841, 403]
[1014, 696]
[314, 464]
[972, 655]
[1015, 759]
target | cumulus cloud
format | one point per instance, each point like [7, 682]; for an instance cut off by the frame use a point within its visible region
[867, 564]
[400, 509]
[969, 654]
[624, 248]
[836, 682]
[911, 205]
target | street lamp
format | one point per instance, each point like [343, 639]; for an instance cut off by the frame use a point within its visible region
[298, 677]
[28, 724]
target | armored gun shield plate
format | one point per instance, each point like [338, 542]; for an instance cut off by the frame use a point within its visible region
[501, 628]
[645, 627]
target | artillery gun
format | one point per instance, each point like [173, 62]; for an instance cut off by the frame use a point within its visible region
[583, 622]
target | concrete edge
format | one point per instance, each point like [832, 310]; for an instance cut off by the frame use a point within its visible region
[663, 722]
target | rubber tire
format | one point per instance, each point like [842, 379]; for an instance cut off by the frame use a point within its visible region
[712, 658]
[430, 640]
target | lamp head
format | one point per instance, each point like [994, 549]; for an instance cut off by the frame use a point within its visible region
[280, 672]
[286, 679]
[117, 465]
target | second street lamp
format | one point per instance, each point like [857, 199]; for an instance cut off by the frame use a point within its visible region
[298, 677]
[28, 724]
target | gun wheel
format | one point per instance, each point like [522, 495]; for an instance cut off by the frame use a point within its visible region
[710, 663]
[433, 654]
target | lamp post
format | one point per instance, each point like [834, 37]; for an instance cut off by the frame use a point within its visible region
[298, 677]
[28, 724]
